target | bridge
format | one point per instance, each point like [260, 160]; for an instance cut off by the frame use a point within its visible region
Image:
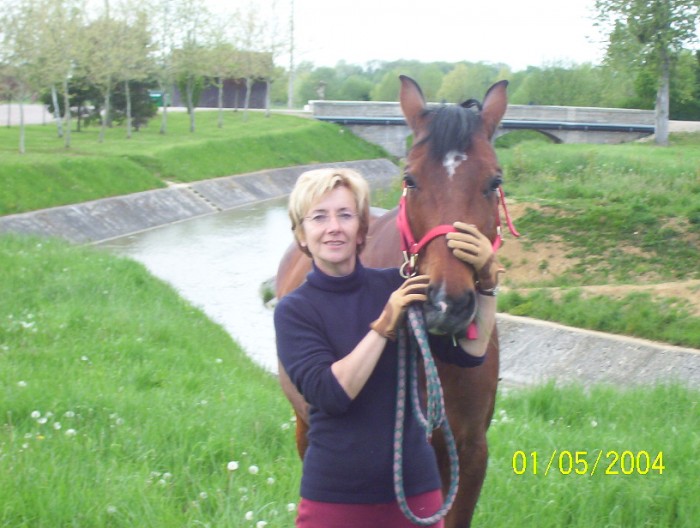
[382, 123]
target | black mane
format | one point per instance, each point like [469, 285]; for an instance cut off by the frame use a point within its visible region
[451, 127]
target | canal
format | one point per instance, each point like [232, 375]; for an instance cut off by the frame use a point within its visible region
[218, 263]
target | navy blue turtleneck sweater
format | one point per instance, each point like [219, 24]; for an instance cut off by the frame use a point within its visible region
[350, 454]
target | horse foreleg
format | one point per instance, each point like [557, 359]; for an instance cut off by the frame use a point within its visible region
[473, 457]
[470, 396]
[301, 409]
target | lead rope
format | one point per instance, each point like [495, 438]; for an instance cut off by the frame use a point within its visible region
[434, 418]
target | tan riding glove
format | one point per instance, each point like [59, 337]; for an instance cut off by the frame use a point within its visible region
[412, 290]
[469, 245]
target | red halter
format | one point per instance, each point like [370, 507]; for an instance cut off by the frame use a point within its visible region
[411, 248]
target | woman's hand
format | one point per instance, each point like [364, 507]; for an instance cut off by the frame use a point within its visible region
[412, 290]
[470, 245]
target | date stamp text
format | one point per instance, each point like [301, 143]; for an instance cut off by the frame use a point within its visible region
[566, 462]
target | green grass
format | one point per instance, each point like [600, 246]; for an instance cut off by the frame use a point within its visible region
[122, 405]
[48, 175]
[555, 423]
[603, 200]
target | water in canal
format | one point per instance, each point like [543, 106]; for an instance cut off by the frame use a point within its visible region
[218, 263]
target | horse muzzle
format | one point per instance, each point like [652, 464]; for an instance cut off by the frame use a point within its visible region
[448, 315]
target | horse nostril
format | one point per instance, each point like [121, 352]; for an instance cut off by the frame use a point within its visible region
[446, 314]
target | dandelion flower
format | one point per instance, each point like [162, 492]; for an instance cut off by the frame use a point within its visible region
[270, 481]
[57, 426]
[42, 420]
[594, 423]
[291, 507]
[71, 432]
[203, 495]
[232, 466]
[21, 384]
[111, 510]
[35, 414]
[261, 524]
[253, 470]
[249, 516]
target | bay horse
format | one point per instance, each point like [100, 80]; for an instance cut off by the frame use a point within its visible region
[451, 174]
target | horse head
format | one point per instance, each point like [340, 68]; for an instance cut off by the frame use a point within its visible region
[451, 174]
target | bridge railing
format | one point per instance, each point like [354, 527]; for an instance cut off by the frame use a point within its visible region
[561, 123]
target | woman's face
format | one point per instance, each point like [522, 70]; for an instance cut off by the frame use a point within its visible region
[330, 232]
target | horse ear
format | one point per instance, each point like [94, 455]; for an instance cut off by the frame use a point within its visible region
[412, 101]
[494, 107]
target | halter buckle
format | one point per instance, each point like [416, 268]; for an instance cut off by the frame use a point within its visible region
[408, 268]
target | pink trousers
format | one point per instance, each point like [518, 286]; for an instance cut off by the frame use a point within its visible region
[314, 514]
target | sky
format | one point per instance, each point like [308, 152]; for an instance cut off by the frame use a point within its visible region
[514, 32]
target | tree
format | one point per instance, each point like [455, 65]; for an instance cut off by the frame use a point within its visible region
[163, 21]
[21, 52]
[101, 59]
[223, 60]
[254, 65]
[61, 38]
[133, 53]
[468, 80]
[660, 28]
[190, 55]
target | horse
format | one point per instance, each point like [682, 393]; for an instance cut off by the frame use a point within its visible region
[451, 173]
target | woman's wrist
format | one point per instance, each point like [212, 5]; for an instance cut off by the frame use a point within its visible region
[487, 277]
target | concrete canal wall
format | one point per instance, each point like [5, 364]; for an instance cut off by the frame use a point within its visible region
[117, 216]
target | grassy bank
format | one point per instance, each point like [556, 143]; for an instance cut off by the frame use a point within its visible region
[49, 175]
[125, 406]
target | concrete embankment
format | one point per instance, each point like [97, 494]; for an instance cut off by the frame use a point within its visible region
[117, 216]
[534, 351]
[531, 351]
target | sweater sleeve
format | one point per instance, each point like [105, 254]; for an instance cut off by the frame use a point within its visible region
[446, 350]
[307, 356]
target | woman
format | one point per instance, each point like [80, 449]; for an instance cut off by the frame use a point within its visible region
[336, 341]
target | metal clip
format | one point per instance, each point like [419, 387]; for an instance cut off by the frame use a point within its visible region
[408, 268]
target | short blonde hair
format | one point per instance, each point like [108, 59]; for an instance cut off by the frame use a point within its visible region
[312, 185]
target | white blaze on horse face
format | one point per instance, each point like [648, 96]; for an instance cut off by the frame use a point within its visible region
[453, 159]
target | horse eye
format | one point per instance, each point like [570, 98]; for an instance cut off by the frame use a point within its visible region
[496, 182]
[409, 182]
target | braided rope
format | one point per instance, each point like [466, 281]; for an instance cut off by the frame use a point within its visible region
[433, 418]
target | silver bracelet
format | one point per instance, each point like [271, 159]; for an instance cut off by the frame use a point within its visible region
[490, 292]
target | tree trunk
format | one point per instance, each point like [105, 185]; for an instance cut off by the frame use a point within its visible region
[128, 109]
[105, 114]
[662, 103]
[220, 85]
[190, 101]
[267, 97]
[246, 104]
[56, 110]
[164, 115]
[21, 125]
[9, 112]
[66, 114]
